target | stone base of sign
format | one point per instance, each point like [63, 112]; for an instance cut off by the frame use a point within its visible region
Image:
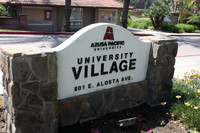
[30, 95]
[90, 106]
[160, 69]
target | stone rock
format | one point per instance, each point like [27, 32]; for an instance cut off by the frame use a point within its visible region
[172, 49]
[70, 110]
[158, 50]
[101, 102]
[8, 122]
[39, 65]
[5, 99]
[21, 70]
[14, 93]
[49, 112]
[164, 61]
[171, 60]
[26, 118]
[124, 103]
[135, 92]
[23, 93]
[158, 75]
[164, 91]
[49, 92]
[31, 86]
[33, 78]
[52, 67]
[40, 128]
[161, 50]
[175, 51]
[87, 111]
[117, 96]
[32, 102]
[152, 95]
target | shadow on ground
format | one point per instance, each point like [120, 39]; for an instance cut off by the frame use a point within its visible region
[150, 119]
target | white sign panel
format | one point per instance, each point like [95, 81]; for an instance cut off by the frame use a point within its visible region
[100, 56]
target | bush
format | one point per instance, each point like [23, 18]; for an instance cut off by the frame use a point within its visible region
[171, 28]
[178, 28]
[194, 19]
[141, 23]
[183, 18]
[187, 27]
[3, 11]
[142, 20]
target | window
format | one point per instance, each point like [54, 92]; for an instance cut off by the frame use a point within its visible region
[108, 15]
[76, 17]
[76, 14]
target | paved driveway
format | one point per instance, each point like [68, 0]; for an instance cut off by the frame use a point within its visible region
[188, 46]
[48, 41]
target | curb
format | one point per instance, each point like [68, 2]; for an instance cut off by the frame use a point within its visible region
[36, 33]
[186, 35]
[187, 55]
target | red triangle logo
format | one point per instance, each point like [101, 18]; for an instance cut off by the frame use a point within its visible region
[109, 34]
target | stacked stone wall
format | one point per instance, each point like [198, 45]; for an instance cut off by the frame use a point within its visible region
[30, 95]
[160, 69]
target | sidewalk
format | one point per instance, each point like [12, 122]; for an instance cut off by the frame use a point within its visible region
[159, 33]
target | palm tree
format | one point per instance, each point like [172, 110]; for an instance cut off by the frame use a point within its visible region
[67, 16]
[125, 13]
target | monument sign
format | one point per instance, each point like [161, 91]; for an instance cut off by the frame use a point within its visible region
[100, 56]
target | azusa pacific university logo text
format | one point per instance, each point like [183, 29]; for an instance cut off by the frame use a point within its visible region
[109, 34]
[109, 43]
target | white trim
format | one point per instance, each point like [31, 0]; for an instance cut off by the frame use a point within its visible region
[36, 7]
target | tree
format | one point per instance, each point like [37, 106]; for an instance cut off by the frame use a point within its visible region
[67, 16]
[157, 12]
[125, 13]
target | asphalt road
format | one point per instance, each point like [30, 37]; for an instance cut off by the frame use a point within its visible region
[48, 41]
[188, 46]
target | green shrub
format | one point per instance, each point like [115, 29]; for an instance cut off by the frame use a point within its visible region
[134, 25]
[183, 18]
[3, 11]
[194, 19]
[142, 20]
[178, 28]
[187, 27]
[171, 28]
[141, 23]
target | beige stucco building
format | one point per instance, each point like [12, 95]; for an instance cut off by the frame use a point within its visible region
[49, 15]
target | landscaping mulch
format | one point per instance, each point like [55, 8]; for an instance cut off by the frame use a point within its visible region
[148, 119]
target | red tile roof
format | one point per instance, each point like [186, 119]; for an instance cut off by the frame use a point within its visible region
[3, 1]
[75, 3]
